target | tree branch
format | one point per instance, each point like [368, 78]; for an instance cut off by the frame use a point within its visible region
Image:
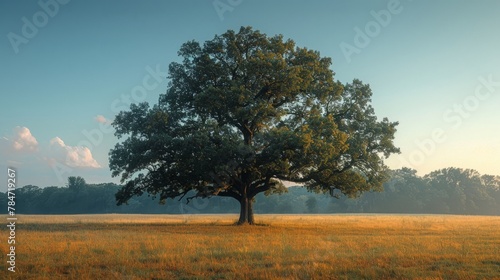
[229, 193]
[260, 186]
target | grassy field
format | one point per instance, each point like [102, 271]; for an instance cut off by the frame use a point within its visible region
[281, 247]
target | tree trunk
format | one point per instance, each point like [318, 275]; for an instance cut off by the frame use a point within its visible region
[246, 211]
[250, 211]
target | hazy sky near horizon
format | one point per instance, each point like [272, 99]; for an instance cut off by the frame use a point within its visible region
[68, 67]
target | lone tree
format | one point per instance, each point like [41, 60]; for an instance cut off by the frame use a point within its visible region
[245, 112]
[76, 183]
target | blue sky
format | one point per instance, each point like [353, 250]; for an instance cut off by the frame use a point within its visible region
[68, 67]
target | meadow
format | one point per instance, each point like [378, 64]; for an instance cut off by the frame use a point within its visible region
[280, 247]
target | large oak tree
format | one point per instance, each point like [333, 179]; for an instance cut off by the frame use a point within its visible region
[243, 113]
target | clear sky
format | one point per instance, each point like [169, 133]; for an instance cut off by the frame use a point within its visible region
[68, 67]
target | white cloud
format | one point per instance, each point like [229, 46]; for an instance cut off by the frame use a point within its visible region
[47, 163]
[23, 140]
[73, 156]
[100, 119]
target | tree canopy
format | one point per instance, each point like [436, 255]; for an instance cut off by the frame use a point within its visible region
[242, 113]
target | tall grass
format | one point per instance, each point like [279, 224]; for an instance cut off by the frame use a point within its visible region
[281, 247]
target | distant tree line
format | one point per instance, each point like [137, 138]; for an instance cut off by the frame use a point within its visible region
[445, 191]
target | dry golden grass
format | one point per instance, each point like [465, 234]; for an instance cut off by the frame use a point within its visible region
[282, 247]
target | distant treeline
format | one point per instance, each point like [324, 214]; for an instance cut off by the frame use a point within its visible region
[446, 191]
